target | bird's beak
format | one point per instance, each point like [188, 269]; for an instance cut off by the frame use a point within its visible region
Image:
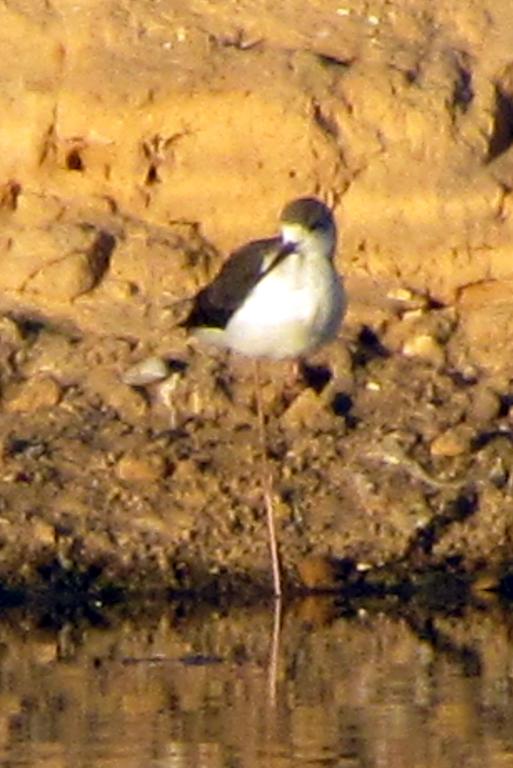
[285, 249]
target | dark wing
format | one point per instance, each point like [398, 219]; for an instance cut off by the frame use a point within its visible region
[216, 303]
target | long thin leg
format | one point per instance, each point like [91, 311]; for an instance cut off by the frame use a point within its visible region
[274, 657]
[267, 485]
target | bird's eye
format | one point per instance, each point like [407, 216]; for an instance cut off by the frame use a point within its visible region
[319, 223]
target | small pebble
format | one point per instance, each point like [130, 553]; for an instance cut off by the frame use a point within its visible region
[453, 442]
[10, 333]
[485, 405]
[43, 533]
[425, 347]
[317, 572]
[146, 371]
[127, 402]
[140, 468]
[303, 411]
[400, 294]
[404, 296]
[39, 392]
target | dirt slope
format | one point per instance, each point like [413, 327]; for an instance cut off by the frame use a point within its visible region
[140, 142]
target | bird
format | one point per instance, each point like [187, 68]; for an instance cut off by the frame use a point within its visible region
[276, 298]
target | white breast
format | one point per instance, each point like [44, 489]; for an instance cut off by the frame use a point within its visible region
[290, 312]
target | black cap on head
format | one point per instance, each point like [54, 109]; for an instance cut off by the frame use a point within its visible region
[309, 212]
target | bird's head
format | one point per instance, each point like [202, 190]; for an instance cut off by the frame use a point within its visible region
[308, 225]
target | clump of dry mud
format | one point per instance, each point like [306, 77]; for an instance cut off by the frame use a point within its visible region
[140, 144]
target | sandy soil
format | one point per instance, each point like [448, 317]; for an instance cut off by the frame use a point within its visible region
[140, 142]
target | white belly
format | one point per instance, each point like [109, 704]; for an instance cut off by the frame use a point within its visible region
[292, 311]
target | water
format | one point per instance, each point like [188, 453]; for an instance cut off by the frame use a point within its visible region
[244, 689]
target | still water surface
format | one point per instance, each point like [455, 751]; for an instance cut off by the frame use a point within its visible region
[241, 689]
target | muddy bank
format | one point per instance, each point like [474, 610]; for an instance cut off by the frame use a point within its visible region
[140, 144]
[392, 460]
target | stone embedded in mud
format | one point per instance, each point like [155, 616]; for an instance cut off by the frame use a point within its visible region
[167, 388]
[128, 403]
[453, 442]
[146, 469]
[10, 334]
[421, 333]
[51, 353]
[118, 290]
[305, 411]
[426, 347]
[43, 392]
[317, 572]
[484, 406]
[65, 279]
[146, 371]
[406, 298]
[43, 533]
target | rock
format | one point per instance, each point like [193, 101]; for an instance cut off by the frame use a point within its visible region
[65, 279]
[47, 653]
[146, 371]
[304, 411]
[166, 392]
[484, 406]
[10, 334]
[408, 299]
[317, 572]
[127, 402]
[31, 395]
[426, 347]
[118, 290]
[453, 442]
[146, 469]
[43, 533]
[50, 354]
